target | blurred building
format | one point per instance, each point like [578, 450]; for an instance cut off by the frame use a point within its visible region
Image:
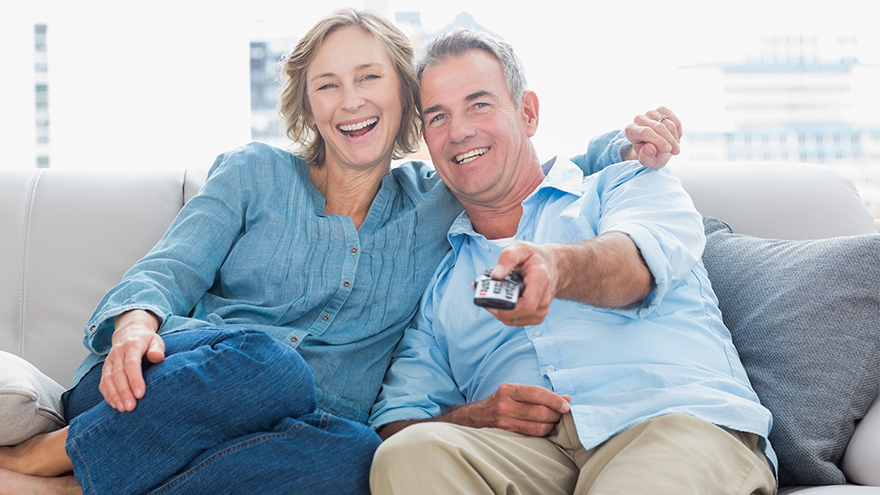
[799, 102]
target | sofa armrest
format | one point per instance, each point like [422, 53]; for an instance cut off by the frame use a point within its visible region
[861, 461]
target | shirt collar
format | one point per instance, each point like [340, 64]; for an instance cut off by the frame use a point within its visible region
[560, 174]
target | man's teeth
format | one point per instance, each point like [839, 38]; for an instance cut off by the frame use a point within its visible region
[470, 155]
[359, 125]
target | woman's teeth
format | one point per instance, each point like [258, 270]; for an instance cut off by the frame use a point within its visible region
[470, 155]
[349, 128]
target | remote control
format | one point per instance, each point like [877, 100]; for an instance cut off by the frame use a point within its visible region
[498, 294]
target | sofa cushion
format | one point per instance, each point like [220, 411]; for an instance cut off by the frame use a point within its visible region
[805, 318]
[30, 402]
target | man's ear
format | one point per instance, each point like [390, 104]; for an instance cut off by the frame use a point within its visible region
[529, 109]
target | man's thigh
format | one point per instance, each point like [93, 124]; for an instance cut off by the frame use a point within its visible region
[447, 458]
[677, 454]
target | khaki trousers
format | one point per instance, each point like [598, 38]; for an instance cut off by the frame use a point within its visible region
[673, 454]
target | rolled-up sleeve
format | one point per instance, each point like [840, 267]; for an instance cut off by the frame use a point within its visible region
[652, 208]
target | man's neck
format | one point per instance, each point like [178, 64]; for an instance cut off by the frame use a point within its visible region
[500, 219]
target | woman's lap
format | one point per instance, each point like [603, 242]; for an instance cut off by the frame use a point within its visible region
[219, 395]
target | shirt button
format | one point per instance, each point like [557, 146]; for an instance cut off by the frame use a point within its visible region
[346, 284]
[551, 369]
[537, 333]
[354, 250]
[294, 339]
[325, 317]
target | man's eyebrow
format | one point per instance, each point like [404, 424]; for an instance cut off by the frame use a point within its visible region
[477, 95]
[432, 109]
[471, 97]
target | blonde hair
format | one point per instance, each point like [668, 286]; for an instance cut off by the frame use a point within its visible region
[294, 105]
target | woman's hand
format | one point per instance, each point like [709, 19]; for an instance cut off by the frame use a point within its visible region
[654, 137]
[135, 337]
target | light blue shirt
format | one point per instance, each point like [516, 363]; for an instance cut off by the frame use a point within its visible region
[670, 353]
[255, 249]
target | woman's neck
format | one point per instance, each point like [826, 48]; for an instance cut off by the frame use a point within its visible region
[348, 192]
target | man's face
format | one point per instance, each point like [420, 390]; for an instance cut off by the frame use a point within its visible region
[477, 136]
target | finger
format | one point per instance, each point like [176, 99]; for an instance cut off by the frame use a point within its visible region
[533, 394]
[661, 135]
[134, 377]
[107, 387]
[674, 118]
[657, 161]
[530, 428]
[156, 351]
[648, 156]
[510, 258]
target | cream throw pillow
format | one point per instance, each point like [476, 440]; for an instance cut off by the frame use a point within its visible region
[30, 402]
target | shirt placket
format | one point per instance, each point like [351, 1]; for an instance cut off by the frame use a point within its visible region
[350, 255]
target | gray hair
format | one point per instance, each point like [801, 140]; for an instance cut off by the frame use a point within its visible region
[461, 41]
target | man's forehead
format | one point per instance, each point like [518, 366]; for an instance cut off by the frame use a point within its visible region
[461, 78]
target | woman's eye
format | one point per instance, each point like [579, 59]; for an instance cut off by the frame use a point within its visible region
[371, 76]
[326, 86]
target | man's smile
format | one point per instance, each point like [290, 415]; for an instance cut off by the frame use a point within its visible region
[470, 155]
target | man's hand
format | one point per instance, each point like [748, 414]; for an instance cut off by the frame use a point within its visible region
[654, 136]
[135, 337]
[538, 267]
[606, 271]
[526, 409]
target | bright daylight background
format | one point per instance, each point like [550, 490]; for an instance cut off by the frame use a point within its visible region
[166, 83]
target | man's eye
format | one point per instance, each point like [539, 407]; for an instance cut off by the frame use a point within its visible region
[437, 118]
[481, 105]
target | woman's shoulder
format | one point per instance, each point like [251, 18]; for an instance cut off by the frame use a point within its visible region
[417, 177]
[257, 159]
[256, 153]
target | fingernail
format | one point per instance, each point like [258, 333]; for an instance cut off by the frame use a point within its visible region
[566, 407]
[668, 147]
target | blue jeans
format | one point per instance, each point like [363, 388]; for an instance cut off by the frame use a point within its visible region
[227, 411]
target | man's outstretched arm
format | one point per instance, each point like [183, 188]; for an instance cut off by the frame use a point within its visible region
[606, 271]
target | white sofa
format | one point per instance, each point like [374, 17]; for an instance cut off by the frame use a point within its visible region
[68, 236]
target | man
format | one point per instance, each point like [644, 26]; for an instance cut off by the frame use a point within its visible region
[618, 376]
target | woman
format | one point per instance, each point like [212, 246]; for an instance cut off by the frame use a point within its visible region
[244, 351]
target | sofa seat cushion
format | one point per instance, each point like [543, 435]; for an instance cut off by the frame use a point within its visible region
[30, 402]
[805, 319]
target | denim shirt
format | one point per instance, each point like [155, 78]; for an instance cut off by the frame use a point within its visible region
[255, 248]
[669, 353]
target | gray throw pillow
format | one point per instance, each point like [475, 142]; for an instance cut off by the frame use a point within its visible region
[805, 318]
[30, 402]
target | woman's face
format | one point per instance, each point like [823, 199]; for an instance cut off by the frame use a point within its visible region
[354, 93]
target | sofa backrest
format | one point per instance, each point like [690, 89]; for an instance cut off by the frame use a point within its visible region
[791, 201]
[68, 236]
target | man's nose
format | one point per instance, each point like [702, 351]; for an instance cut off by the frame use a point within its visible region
[460, 129]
